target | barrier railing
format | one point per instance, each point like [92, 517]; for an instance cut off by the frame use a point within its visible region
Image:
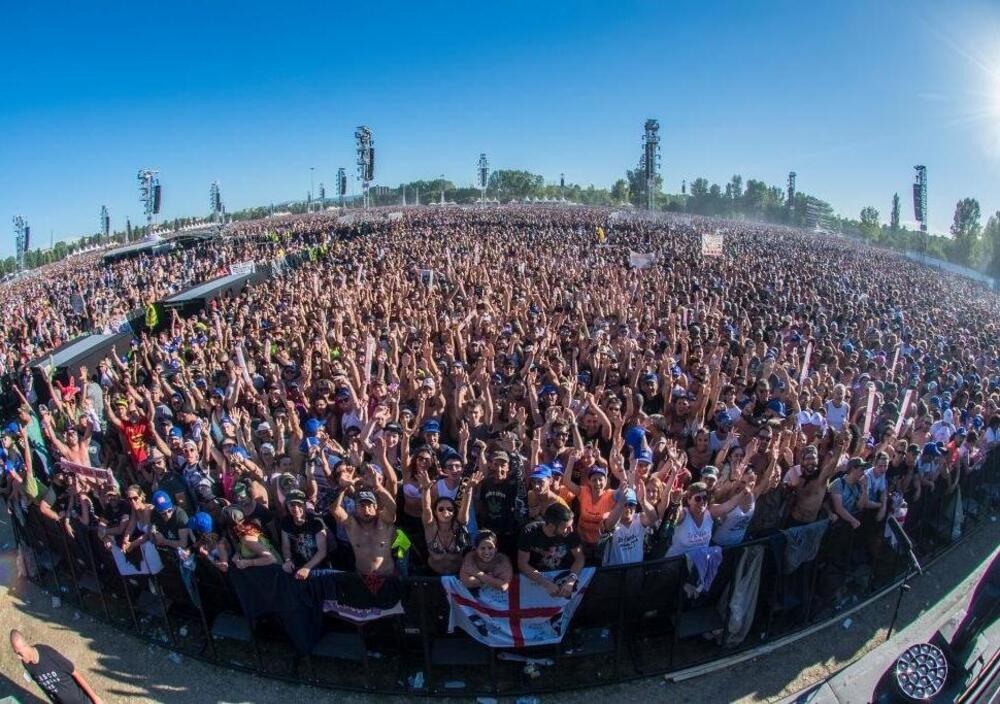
[634, 620]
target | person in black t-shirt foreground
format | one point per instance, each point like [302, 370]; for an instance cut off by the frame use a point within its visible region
[551, 544]
[303, 537]
[53, 673]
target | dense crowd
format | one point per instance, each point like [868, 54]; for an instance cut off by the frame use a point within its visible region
[481, 392]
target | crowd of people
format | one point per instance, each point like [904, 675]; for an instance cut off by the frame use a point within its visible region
[489, 391]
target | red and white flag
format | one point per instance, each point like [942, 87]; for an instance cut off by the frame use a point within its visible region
[523, 616]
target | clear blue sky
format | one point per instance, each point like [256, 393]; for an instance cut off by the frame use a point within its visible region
[849, 94]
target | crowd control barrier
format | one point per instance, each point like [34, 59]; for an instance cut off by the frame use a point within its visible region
[634, 620]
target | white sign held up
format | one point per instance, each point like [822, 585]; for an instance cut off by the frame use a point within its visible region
[711, 245]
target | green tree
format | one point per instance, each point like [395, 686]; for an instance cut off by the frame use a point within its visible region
[620, 191]
[965, 228]
[509, 184]
[869, 222]
[894, 217]
[991, 245]
[734, 189]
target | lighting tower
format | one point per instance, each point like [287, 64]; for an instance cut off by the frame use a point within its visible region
[322, 198]
[341, 185]
[366, 159]
[920, 204]
[105, 224]
[484, 176]
[791, 191]
[149, 193]
[920, 197]
[215, 198]
[22, 235]
[651, 159]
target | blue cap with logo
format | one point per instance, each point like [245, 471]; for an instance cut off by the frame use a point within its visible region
[162, 501]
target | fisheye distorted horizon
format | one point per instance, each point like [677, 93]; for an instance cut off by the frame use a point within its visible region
[849, 95]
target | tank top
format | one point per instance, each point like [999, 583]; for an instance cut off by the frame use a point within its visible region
[689, 535]
[592, 513]
[444, 490]
[626, 544]
[876, 485]
[733, 527]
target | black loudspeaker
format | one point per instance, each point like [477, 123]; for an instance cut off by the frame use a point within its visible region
[27, 238]
[917, 210]
[156, 199]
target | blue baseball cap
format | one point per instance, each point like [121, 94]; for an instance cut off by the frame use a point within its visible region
[644, 455]
[12, 428]
[200, 522]
[431, 426]
[162, 501]
[597, 469]
[634, 436]
[313, 426]
[776, 406]
[176, 432]
[542, 471]
[548, 389]
[650, 377]
[630, 498]
[932, 449]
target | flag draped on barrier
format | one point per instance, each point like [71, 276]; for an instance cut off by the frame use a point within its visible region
[523, 616]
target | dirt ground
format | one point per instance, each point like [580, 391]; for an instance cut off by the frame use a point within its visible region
[125, 669]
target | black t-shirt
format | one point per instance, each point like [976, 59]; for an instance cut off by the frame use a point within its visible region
[547, 553]
[54, 674]
[262, 514]
[302, 538]
[498, 501]
[114, 512]
[170, 528]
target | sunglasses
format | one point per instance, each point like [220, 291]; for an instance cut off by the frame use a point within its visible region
[698, 498]
[445, 509]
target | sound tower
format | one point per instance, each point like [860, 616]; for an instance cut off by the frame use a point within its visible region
[156, 199]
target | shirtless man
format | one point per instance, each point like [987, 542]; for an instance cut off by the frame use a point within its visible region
[372, 527]
[811, 487]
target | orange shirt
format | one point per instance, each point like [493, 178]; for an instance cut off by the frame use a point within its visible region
[592, 513]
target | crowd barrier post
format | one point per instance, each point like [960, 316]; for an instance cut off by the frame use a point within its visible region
[127, 590]
[205, 629]
[97, 578]
[51, 555]
[70, 560]
[154, 581]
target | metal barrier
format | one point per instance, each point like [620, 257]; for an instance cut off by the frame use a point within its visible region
[634, 621]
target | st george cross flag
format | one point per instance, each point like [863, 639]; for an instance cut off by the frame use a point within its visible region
[523, 616]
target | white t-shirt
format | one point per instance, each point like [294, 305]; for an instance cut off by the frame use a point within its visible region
[625, 544]
[942, 431]
[836, 417]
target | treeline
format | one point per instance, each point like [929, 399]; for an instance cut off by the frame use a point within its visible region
[971, 244]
